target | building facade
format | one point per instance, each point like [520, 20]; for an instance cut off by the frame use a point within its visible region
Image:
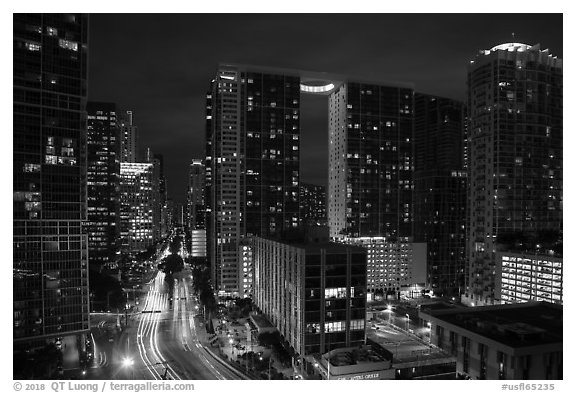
[394, 266]
[196, 212]
[157, 179]
[252, 142]
[137, 206]
[512, 341]
[128, 137]
[314, 293]
[313, 204]
[253, 152]
[196, 195]
[515, 156]
[103, 182]
[371, 163]
[440, 190]
[525, 277]
[50, 250]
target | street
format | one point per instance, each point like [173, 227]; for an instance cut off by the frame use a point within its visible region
[161, 341]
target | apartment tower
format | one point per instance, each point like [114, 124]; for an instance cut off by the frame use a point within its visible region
[515, 167]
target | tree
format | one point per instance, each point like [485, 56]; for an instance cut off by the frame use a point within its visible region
[268, 339]
[173, 263]
[107, 290]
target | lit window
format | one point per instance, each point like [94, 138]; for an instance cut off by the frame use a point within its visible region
[33, 46]
[66, 44]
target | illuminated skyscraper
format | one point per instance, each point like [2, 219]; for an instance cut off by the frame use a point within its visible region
[440, 190]
[103, 224]
[253, 143]
[196, 195]
[515, 166]
[128, 137]
[370, 160]
[137, 205]
[50, 259]
[196, 219]
[157, 195]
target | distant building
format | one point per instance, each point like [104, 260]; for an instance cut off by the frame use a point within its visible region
[50, 250]
[524, 277]
[515, 156]
[162, 195]
[137, 206]
[512, 341]
[313, 204]
[314, 293]
[103, 180]
[395, 267]
[128, 137]
[440, 190]
[157, 179]
[196, 217]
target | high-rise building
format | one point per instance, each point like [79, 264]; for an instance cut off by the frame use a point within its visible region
[370, 180]
[162, 195]
[515, 166]
[103, 192]
[171, 215]
[370, 160]
[196, 192]
[128, 136]
[254, 156]
[137, 206]
[209, 196]
[313, 204]
[440, 190]
[50, 259]
[253, 153]
[157, 195]
[196, 220]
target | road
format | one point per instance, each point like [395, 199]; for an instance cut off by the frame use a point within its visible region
[162, 341]
[167, 343]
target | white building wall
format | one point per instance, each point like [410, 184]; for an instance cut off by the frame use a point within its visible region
[337, 187]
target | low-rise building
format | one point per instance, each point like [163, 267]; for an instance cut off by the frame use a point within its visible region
[361, 363]
[314, 293]
[394, 266]
[512, 341]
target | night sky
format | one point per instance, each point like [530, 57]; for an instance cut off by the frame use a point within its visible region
[160, 65]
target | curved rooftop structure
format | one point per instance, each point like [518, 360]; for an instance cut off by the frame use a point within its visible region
[512, 47]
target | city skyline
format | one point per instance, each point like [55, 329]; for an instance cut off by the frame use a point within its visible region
[167, 93]
[288, 196]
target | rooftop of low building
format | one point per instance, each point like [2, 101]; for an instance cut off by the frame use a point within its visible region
[514, 325]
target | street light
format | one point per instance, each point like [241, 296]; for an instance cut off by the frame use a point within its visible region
[389, 310]
[270, 362]
[128, 363]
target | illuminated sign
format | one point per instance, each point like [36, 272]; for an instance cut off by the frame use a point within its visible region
[361, 376]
